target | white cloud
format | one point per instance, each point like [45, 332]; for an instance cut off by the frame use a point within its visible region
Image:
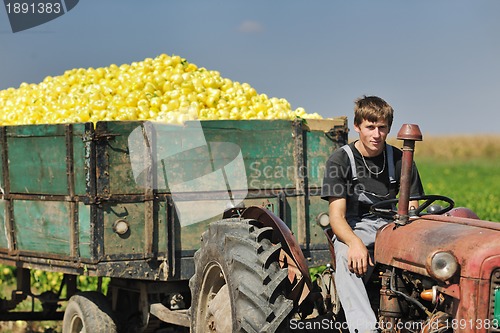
[250, 26]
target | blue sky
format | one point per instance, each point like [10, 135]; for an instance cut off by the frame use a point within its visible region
[436, 62]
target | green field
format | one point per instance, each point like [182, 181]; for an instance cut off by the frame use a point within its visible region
[464, 168]
[473, 183]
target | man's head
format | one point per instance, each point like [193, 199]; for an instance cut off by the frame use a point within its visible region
[373, 109]
[372, 120]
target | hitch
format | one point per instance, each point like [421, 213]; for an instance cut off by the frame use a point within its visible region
[409, 133]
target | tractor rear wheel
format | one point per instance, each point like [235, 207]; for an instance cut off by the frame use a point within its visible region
[238, 285]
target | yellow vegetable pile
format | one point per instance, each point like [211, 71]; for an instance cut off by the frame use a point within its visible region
[166, 89]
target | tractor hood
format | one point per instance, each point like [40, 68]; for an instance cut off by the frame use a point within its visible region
[410, 247]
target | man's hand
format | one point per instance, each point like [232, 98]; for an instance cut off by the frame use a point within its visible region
[358, 258]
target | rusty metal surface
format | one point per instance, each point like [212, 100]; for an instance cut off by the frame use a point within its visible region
[409, 133]
[469, 240]
[329, 237]
[405, 180]
[473, 242]
[472, 307]
[462, 212]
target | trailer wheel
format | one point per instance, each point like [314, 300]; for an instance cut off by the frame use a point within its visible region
[238, 285]
[88, 312]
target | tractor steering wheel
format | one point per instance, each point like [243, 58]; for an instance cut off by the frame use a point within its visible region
[386, 208]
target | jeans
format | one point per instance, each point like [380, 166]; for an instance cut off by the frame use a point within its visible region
[351, 288]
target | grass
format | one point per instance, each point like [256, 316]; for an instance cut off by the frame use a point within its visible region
[464, 168]
[474, 184]
[40, 282]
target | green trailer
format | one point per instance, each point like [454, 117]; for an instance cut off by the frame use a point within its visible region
[150, 205]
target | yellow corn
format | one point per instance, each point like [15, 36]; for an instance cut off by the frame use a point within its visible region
[166, 89]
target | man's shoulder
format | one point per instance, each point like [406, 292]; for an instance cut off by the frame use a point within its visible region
[393, 147]
[339, 155]
[397, 152]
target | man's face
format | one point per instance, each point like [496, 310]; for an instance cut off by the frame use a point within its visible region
[372, 136]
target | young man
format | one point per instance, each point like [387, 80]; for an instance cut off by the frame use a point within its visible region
[356, 176]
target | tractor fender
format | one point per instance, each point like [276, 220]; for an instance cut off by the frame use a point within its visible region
[462, 212]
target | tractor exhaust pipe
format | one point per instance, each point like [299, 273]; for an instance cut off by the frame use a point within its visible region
[409, 133]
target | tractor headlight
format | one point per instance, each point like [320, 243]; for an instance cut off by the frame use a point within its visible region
[442, 265]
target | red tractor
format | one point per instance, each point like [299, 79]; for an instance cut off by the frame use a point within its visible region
[437, 268]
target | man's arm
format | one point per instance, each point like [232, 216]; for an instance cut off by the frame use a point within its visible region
[358, 257]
